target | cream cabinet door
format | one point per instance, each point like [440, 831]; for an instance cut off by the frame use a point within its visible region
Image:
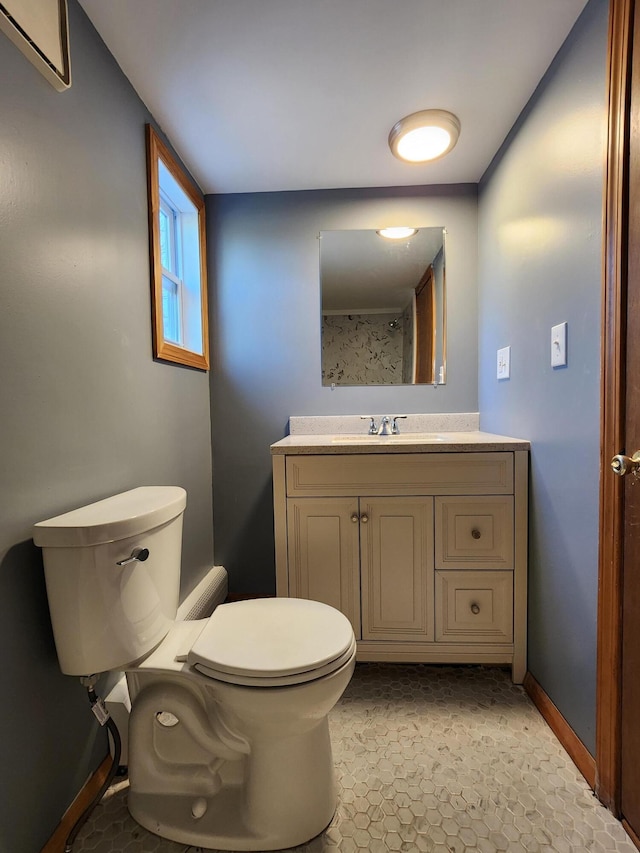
[324, 560]
[396, 548]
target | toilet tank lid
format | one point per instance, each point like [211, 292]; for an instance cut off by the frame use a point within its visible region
[112, 519]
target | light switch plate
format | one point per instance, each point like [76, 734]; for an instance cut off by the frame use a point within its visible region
[559, 345]
[504, 363]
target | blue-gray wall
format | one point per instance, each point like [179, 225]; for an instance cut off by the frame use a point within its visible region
[265, 333]
[85, 412]
[540, 235]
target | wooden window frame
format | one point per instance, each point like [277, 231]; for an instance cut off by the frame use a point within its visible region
[164, 349]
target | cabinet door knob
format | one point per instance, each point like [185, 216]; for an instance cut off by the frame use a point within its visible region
[475, 608]
[476, 533]
[354, 517]
[364, 518]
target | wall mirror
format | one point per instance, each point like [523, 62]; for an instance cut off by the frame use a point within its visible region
[178, 260]
[383, 308]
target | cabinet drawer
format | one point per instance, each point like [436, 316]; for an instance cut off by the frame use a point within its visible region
[474, 532]
[400, 474]
[474, 607]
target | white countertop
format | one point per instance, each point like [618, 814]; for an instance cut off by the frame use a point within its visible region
[432, 442]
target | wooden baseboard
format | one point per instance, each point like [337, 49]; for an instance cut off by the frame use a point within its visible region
[578, 752]
[632, 835]
[57, 841]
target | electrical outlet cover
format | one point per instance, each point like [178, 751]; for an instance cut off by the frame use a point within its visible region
[504, 363]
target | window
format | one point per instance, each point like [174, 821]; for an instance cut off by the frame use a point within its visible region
[170, 247]
[178, 260]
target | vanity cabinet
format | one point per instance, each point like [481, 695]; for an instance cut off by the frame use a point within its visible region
[425, 552]
[345, 550]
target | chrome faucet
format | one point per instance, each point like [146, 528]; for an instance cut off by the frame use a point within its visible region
[384, 426]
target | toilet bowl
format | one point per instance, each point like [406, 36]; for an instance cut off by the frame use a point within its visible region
[229, 742]
[238, 731]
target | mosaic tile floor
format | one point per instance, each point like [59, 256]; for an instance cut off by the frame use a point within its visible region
[434, 759]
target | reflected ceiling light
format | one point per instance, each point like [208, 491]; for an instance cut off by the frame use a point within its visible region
[425, 135]
[399, 232]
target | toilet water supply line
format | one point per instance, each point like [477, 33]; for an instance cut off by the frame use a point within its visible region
[105, 719]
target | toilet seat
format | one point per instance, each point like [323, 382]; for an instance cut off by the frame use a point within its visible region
[272, 642]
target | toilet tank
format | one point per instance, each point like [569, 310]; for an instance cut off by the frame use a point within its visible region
[104, 615]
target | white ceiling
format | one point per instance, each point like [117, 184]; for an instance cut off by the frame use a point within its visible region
[263, 95]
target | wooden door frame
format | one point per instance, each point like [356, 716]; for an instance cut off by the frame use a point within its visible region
[425, 320]
[612, 437]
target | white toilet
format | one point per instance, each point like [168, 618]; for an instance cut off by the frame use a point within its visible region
[228, 737]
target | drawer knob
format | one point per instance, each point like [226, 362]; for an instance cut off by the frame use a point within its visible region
[476, 533]
[354, 517]
[475, 608]
[364, 518]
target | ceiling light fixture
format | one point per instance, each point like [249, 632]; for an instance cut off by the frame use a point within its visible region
[425, 135]
[398, 232]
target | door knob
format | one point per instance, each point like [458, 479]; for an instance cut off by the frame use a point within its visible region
[623, 465]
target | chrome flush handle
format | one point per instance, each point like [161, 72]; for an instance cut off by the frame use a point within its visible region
[138, 555]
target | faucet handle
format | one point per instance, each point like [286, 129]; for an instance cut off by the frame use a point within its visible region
[373, 429]
[395, 429]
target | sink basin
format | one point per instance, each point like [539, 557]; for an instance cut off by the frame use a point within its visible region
[403, 438]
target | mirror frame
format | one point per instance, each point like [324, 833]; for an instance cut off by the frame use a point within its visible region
[162, 348]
